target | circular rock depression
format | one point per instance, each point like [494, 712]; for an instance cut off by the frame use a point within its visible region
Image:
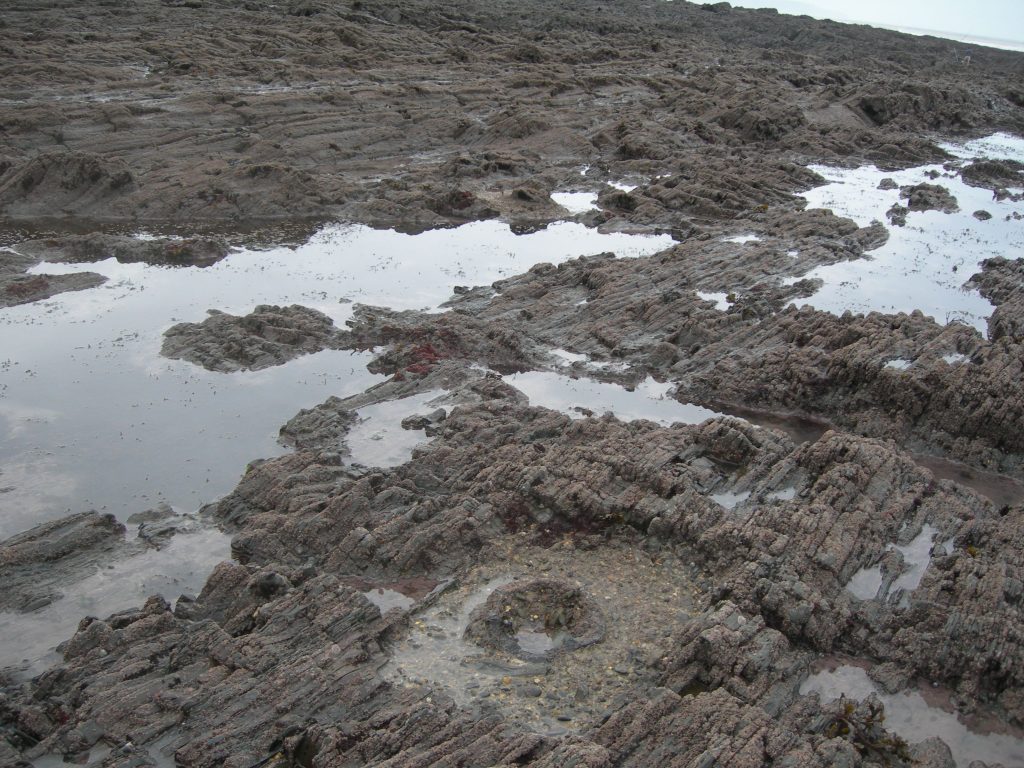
[535, 620]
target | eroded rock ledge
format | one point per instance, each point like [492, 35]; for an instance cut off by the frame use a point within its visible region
[280, 653]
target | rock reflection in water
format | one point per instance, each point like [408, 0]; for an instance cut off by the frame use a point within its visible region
[916, 554]
[378, 438]
[135, 428]
[581, 397]
[180, 566]
[908, 715]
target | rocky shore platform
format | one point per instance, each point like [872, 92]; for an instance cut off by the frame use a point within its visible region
[527, 585]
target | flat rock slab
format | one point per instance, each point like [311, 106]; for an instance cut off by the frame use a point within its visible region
[268, 336]
[34, 564]
[158, 251]
[19, 287]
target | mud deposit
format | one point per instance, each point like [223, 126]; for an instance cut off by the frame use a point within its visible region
[485, 384]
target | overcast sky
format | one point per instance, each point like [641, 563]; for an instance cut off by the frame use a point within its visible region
[996, 19]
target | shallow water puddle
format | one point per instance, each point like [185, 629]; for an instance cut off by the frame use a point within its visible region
[436, 649]
[641, 602]
[899, 364]
[180, 566]
[57, 761]
[909, 715]
[92, 417]
[728, 499]
[578, 398]
[576, 202]
[1001, 490]
[538, 641]
[378, 439]
[568, 358]
[925, 263]
[387, 599]
[721, 300]
[800, 429]
[103, 421]
[129, 429]
[864, 584]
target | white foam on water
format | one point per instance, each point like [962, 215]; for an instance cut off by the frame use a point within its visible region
[568, 357]
[622, 187]
[617, 366]
[908, 715]
[649, 400]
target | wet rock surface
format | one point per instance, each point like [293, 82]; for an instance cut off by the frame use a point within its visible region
[524, 587]
[267, 336]
[195, 126]
[192, 252]
[19, 287]
[994, 174]
[1002, 282]
[559, 485]
[35, 563]
[922, 197]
